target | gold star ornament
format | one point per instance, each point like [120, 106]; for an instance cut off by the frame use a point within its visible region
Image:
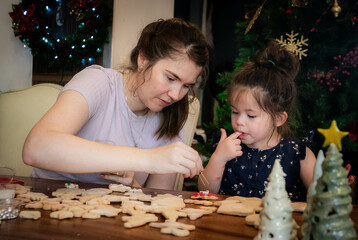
[333, 135]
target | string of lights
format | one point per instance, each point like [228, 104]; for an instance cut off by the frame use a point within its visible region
[62, 34]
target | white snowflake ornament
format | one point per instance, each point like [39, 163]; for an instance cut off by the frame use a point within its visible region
[294, 45]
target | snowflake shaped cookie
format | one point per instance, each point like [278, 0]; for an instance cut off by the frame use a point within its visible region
[294, 45]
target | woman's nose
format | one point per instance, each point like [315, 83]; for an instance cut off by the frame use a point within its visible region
[175, 93]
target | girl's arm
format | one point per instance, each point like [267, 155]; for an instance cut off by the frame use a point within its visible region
[161, 181]
[52, 145]
[307, 168]
[213, 172]
[227, 149]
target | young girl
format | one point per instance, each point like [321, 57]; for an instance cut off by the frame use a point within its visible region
[261, 95]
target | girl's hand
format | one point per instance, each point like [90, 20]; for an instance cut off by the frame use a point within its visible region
[125, 178]
[228, 147]
[351, 178]
[175, 158]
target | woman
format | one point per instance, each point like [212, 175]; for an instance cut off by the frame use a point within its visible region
[105, 122]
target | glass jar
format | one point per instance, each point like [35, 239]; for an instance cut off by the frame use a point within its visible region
[10, 208]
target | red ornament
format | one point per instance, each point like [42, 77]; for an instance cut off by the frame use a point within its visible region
[288, 11]
[23, 19]
[86, 3]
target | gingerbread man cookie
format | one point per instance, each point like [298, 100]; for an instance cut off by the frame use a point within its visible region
[138, 220]
[174, 228]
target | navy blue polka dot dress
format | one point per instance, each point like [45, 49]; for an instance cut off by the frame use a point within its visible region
[248, 174]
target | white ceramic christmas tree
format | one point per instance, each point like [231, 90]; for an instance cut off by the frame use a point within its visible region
[306, 226]
[276, 220]
[331, 205]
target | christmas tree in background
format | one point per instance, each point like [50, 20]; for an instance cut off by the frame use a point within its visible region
[62, 35]
[331, 204]
[324, 34]
[276, 220]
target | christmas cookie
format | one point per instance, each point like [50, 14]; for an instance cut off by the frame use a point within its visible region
[174, 228]
[30, 214]
[232, 207]
[62, 214]
[172, 214]
[299, 206]
[253, 220]
[204, 195]
[119, 188]
[138, 220]
[68, 191]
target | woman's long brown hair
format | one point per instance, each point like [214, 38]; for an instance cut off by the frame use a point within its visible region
[165, 39]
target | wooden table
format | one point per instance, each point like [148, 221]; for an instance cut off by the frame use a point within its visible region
[214, 226]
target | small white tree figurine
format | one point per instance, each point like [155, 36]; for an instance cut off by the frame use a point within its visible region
[306, 226]
[276, 220]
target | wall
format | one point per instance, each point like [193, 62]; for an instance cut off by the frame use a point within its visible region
[129, 19]
[15, 60]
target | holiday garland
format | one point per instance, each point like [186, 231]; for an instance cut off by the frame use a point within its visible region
[62, 34]
[343, 67]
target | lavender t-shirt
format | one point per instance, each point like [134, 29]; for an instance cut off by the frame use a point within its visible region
[110, 120]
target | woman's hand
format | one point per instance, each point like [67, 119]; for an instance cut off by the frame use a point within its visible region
[126, 178]
[175, 158]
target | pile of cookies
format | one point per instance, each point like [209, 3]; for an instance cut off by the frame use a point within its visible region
[137, 208]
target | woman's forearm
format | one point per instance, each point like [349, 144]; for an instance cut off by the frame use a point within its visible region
[63, 152]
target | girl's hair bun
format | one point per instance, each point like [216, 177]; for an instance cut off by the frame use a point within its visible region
[278, 58]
